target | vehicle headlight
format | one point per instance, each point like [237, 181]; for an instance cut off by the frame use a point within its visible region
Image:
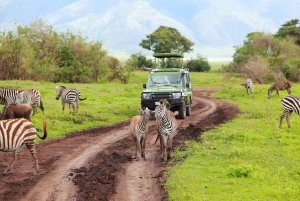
[176, 95]
[146, 96]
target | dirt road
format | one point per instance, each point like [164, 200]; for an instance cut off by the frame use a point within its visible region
[97, 164]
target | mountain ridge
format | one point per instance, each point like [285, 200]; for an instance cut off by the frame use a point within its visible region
[214, 26]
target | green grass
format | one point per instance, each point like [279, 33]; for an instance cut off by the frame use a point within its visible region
[249, 158]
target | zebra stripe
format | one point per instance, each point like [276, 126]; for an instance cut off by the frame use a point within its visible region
[166, 125]
[34, 97]
[16, 132]
[249, 86]
[280, 85]
[139, 130]
[289, 104]
[9, 94]
[69, 96]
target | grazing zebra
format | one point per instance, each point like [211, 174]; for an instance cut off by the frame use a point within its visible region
[249, 86]
[139, 130]
[70, 96]
[166, 125]
[290, 103]
[280, 85]
[16, 132]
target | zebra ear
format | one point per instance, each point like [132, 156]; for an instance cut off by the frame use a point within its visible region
[140, 110]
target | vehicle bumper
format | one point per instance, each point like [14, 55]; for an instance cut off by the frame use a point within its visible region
[150, 103]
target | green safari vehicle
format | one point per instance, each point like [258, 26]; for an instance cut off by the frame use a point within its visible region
[172, 83]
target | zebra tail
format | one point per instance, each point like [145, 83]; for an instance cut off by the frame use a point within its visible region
[82, 98]
[41, 106]
[45, 131]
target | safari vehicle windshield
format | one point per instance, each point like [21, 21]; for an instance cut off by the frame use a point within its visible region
[165, 80]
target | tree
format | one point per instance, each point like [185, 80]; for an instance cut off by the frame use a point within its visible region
[290, 28]
[167, 40]
[200, 64]
[141, 60]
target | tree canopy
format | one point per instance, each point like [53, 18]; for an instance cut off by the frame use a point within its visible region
[291, 29]
[266, 58]
[167, 40]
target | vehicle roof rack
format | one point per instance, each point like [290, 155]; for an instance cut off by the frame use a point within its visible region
[167, 55]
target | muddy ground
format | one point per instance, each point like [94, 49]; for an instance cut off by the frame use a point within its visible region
[98, 164]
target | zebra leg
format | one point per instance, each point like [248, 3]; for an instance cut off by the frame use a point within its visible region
[16, 154]
[169, 147]
[163, 147]
[34, 110]
[136, 147]
[71, 104]
[31, 148]
[77, 106]
[63, 106]
[143, 145]
[288, 116]
[284, 114]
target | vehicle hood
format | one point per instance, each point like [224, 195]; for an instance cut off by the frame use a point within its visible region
[163, 89]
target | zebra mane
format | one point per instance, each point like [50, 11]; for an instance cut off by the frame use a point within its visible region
[164, 101]
[60, 86]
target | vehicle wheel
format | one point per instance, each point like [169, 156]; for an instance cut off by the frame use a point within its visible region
[182, 111]
[188, 109]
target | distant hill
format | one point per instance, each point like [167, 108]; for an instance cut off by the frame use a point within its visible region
[214, 26]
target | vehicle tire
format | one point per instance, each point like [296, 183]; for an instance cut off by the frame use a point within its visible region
[188, 109]
[182, 111]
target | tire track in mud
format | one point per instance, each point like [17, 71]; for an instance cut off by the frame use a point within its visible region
[140, 179]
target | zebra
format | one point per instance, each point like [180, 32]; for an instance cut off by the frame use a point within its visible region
[70, 96]
[16, 132]
[166, 126]
[9, 94]
[139, 130]
[290, 103]
[249, 86]
[280, 85]
[32, 97]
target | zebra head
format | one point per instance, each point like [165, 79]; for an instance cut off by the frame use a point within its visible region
[162, 108]
[145, 112]
[59, 90]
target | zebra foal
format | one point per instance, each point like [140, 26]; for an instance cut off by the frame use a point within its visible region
[248, 84]
[139, 130]
[166, 126]
[280, 85]
[69, 96]
[16, 132]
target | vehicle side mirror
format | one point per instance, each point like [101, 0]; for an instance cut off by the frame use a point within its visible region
[187, 85]
[144, 86]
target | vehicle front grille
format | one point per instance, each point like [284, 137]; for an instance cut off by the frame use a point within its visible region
[161, 95]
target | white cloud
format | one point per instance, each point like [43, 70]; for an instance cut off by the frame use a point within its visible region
[3, 3]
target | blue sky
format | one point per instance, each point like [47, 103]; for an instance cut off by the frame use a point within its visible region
[214, 24]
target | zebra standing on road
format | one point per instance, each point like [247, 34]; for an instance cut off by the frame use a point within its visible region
[166, 126]
[16, 132]
[69, 96]
[139, 130]
[290, 103]
[280, 85]
[249, 86]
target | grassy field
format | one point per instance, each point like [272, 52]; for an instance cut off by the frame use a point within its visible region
[249, 158]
